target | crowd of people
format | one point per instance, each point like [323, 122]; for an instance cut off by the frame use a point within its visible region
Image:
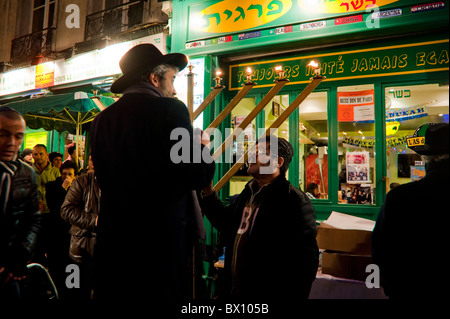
[131, 232]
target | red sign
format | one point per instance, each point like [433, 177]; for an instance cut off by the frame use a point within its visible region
[346, 20]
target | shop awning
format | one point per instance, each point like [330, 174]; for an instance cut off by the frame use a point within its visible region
[61, 112]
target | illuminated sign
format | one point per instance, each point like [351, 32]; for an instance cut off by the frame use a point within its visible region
[415, 141]
[17, 81]
[336, 6]
[399, 59]
[32, 139]
[232, 16]
[94, 64]
[210, 18]
[45, 75]
[98, 63]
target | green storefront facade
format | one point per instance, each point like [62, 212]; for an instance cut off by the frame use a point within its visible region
[386, 65]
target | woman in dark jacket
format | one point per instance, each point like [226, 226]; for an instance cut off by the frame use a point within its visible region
[80, 209]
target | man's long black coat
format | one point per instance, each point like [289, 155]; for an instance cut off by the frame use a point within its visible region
[143, 232]
[409, 236]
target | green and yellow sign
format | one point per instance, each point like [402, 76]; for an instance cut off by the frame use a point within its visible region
[210, 18]
[431, 56]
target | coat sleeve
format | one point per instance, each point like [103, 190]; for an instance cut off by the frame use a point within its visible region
[192, 162]
[301, 234]
[72, 210]
[22, 249]
[219, 215]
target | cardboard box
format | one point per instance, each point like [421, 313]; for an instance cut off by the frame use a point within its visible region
[346, 233]
[345, 265]
[344, 240]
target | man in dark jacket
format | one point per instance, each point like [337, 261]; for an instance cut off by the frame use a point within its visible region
[56, 236]
[145, 228]
[271, 250]
[19, 205]
[411, 228]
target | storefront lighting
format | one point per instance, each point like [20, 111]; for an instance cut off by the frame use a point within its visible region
[249, 72]
[218, 79]
[280, 72]
[315, 66]
[190, 66]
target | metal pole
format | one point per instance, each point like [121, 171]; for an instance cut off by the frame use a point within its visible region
[190, 91]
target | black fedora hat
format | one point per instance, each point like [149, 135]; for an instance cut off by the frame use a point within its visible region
[143, 58]
[430, 139]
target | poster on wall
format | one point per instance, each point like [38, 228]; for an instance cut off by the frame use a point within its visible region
[316, 171]
[357, 106]
[31, 139]
[417, 173]
[358, 167]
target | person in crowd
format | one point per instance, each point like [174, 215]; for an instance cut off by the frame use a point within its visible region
[312, 191]
[360, 196]
[56, 237]
[45, 173]
[20, 218]
[142, 213]
[56, 159]
[81, 209]
[270, 224]
[412, 223]
[27, 156]
[393, 185]
[71, 150]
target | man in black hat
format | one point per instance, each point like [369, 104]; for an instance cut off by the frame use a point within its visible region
[411, 228]
[147, 224]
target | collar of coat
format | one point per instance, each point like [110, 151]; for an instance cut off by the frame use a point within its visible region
[143, 88]
[280, 183]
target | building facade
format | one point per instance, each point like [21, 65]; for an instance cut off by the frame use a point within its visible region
[386, 68]
[62, 46]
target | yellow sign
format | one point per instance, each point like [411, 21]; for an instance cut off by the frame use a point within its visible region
[333, 6]
[31, 139]
[230, 15]
[45, 75]
[415, 141]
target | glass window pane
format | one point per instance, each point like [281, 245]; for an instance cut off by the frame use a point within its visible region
[313, 145]
[407, 108]
[51, 14]
[38, 19]
[356, 144]
[38, 3]
[271, 112]
[243, 142]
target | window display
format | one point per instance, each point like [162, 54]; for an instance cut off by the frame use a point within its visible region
[356, 144]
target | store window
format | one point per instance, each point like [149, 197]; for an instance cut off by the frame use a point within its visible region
[356, 144]
[242, 143]
[407, 108]
[313, 145]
